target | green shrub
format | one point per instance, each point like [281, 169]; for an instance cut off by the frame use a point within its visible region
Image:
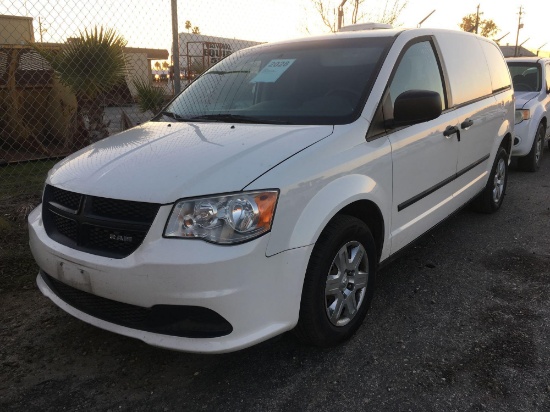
[150, 98]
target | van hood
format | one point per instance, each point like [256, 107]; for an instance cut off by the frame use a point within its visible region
[523, 97]
[161, 162]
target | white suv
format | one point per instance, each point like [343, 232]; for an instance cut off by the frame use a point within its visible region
[531, 79]
[264, 196]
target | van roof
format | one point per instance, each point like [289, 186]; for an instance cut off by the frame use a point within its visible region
[366, 26]
[371, 33]
[535, 59]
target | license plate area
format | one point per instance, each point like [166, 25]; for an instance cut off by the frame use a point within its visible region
[74, 275]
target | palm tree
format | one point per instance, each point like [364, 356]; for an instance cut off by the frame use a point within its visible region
[149, 97]
[90, 65]
[165, 65]
[188, 26]
[157, 65]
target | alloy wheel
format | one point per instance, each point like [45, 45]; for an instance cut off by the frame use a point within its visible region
[499, 181]
[346, 283]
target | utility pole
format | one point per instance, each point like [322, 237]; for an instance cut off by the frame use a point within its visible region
[40, 29]
[520, 26]
[477, 18]
[175, 48]
[341, 13]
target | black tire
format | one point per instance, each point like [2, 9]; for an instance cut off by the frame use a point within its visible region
[343, 236]
[531, 162]
[491, 198]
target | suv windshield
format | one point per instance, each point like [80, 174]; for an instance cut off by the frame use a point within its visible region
[526, 77]
[312, 82]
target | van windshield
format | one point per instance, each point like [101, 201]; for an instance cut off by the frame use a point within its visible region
[311, 82]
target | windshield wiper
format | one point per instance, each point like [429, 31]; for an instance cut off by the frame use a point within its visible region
[236, 118]
[174, 116]
[221, 73]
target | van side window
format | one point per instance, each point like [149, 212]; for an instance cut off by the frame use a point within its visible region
[500, 77]
[547, 77]
[465, 66]
[417, 70]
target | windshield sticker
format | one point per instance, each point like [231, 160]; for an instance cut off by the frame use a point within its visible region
[272, 71]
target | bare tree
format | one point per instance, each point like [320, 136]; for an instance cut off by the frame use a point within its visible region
[392, 11]
[355, 11]
[486, 27]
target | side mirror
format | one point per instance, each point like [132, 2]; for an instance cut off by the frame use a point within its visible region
[416, 106]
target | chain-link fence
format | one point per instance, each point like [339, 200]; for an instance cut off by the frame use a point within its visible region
[74, 72]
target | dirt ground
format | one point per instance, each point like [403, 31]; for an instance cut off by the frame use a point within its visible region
[459, 322]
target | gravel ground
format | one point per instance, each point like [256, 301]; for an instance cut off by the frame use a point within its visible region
[459, 322]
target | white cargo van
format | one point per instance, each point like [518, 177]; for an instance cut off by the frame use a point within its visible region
[264, 196]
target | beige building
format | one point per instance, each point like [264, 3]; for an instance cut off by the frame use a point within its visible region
[16, 30]
[198, 52]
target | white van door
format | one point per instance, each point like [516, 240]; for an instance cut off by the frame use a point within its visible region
[475, 77]
[479, 125]
[424, 155]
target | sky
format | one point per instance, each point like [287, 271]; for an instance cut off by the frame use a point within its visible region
[504, 13]
[282, 19]
[147, 23]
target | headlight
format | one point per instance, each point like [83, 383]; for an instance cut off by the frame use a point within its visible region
[228, 219]
[521, 115]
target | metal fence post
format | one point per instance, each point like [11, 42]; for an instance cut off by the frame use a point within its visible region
[175, 48]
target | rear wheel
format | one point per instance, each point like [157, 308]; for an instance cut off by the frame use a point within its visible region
[491, 198]
[531, 162]
[339, 283]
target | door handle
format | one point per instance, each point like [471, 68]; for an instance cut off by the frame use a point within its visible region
[450, 130]
[466, 123]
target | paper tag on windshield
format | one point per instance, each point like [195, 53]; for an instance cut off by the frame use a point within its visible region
[272, 71]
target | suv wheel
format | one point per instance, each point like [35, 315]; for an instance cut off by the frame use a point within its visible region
[531, 162]
[490, 199]
[338, 284]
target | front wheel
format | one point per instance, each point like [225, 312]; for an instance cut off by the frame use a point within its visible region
[531, 162]
[491, 198]
[338, 284]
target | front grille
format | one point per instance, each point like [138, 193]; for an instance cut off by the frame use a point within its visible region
[182, 321]
[68, 199]
[106, 227]
[66, 227]
[122, 209]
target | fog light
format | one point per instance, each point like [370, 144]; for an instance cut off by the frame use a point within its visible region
[516, 141]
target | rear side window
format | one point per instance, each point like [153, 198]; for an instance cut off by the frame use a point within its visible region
[464, 61]
[500, 77]
[548, 77]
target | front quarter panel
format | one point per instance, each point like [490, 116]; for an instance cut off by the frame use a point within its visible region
[527, 129]
[318, 182]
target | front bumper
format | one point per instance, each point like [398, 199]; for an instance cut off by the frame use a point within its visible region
[257, 295]
[524, 134]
